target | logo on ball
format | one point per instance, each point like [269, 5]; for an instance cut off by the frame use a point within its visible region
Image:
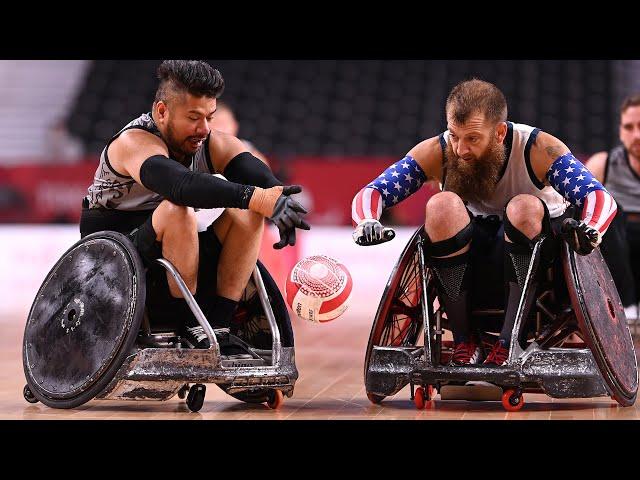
[318, 288]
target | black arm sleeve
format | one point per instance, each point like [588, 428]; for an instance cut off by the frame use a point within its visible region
[183, 187]
[247, 169]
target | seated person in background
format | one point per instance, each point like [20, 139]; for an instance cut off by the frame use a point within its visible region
[224, 120]
[619, 171]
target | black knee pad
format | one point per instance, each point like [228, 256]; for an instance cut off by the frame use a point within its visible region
[516, 236]
[144, 239]
[450, 245]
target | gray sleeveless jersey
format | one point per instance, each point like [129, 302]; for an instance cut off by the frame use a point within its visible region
[622, 181]
[115, 191]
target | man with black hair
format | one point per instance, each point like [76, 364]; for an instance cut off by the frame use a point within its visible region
[619, 170]
[162, 166]
[504, 186]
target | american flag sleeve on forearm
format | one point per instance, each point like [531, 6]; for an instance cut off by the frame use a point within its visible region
[396, 183]
[569, 177]
[366, 204]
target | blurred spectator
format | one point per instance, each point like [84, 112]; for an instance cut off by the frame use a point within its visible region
[619, 171]
[62, 147]
[225, 121]
[278, 263]
[12, 204]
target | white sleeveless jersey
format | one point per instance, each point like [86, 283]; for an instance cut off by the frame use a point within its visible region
[517, 176]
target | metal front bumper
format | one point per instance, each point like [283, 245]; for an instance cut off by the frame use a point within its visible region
[158, 373]
[559, 372]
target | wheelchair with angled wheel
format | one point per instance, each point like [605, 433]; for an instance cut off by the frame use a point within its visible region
[88, 336]
[408, 341]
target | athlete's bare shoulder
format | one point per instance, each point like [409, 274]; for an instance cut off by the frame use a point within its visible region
[429, 156]
[132, 147]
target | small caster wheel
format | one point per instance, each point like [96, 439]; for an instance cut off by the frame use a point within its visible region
[182, 393]
[195, 398]
[375, 399]
[512, 400]
[275, 399]
[28, 395]
[422, 396]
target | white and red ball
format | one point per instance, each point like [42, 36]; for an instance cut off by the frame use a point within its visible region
[319, 288]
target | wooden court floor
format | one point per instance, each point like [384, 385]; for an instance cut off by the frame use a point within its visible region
[330, 387]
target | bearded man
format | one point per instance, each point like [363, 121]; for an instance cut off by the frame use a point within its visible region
[504, 186]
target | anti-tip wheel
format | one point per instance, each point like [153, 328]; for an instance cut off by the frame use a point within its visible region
[512, 401]
[28, 395]
[423, 396]
[195, 399]
[275, 399]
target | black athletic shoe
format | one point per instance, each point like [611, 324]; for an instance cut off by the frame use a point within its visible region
[196, 338]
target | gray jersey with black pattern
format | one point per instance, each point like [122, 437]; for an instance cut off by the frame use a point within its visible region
[622, 181]
[115, 191]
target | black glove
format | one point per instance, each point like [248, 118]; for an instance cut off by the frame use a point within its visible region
[581, 238]
[371, 232]
[287, 216]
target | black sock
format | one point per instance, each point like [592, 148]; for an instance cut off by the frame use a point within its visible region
[516, 265]
[453, 275]
[221, 311]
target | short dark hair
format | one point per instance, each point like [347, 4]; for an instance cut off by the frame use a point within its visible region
[476, 96]
[630, 101]
[193, 76]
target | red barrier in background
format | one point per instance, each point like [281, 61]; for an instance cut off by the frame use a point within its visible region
[53, 193]
[44, 193]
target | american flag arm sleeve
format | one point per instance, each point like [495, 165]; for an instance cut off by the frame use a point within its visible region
[399, 181]
[569, 177]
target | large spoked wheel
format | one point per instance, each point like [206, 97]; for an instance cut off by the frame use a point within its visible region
[398, 321]
[251, 325]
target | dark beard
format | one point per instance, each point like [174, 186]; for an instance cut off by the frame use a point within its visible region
[475, 180]
[175, 148]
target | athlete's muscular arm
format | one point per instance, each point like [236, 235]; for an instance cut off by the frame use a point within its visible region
[231, 157]
[544, 152]
[597, 164]
[428, 154]
[402, 179]
[554, 164]
[127, 152]
[222, 148]
[145, 157]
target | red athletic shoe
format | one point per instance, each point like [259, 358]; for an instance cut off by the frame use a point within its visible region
[498, 354]
[466, 353]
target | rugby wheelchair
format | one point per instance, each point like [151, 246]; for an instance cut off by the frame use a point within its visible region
[577, 299]
[88, 335]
